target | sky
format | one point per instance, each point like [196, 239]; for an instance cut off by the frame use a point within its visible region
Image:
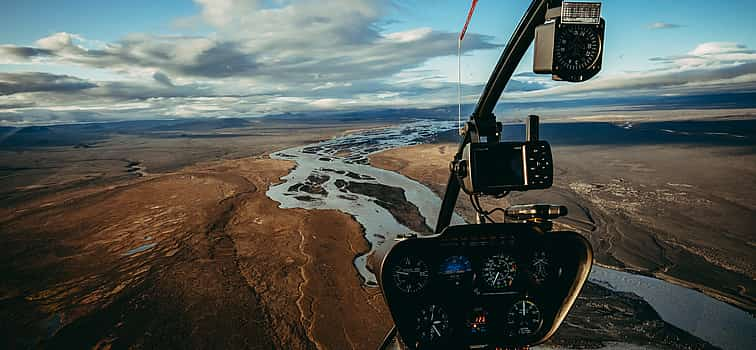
[86, 60]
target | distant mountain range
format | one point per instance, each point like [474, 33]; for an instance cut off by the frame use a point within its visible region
[87, 134]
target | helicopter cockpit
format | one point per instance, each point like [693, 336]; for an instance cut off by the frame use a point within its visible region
[494, 286]
[498, 285]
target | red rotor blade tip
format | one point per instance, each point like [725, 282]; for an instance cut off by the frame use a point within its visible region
[469, 17]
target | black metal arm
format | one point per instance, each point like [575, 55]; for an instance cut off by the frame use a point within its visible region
[483, 121]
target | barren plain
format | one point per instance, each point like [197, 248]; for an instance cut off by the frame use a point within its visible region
[674, 206]
[184, 252]
[160, 235]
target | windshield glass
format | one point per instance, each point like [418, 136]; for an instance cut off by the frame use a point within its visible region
[234, 174]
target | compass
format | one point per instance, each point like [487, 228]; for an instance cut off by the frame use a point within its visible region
[569, 51]
[577, 48]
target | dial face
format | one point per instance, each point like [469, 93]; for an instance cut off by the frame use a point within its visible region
[524, 318]
[540, 267]
[411, 274]
[577, 47]
[500, 271]
[455, 269]
[432, 324]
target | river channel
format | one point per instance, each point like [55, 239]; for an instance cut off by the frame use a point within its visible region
[322, 170]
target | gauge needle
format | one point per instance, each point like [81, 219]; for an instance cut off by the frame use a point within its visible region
[496, 278]
[523, 307]
[436, 330]
[402, 273]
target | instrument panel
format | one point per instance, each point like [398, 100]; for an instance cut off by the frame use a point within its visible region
[483, 286]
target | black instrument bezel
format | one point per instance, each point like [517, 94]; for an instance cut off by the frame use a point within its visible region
[477, 242]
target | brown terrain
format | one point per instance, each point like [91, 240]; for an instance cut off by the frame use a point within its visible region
[49, 160]
[97, 255]
[139, 241]
[666, 211]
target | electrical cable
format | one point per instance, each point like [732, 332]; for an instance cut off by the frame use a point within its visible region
[486, 214]
[479, 210]
[459, 85]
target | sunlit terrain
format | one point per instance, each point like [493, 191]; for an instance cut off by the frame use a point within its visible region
[202, 174]
[140, 240]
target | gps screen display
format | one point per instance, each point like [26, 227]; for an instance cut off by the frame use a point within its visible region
[499, 166]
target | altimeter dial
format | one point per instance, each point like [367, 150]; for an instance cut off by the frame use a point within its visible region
[524, 318]
[432, 324]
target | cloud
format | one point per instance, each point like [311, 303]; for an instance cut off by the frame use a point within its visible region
[163, 79]
[188, 56]
[261, 57]
[717, 48]
[305, 42]
[711, 53]
[711, 66]
[663, 25]
[280, 61]
[14, 53]
[14, 83]
[58, 41]
[257, 57]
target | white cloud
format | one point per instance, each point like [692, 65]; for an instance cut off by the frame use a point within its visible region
[276, 57]
[716, 48]
[306, 42]
[57, 41]
[271, 57]
[663, 25]
[409, 35]
[222, 12]
[711, 66]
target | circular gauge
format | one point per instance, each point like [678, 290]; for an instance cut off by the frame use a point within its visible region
[432, 324]
[540, 267]
[455, 269]
[500, 271]
[577, 47]
[524, 318]
[411, 274]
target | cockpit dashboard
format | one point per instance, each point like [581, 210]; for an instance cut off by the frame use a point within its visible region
[483, 286]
